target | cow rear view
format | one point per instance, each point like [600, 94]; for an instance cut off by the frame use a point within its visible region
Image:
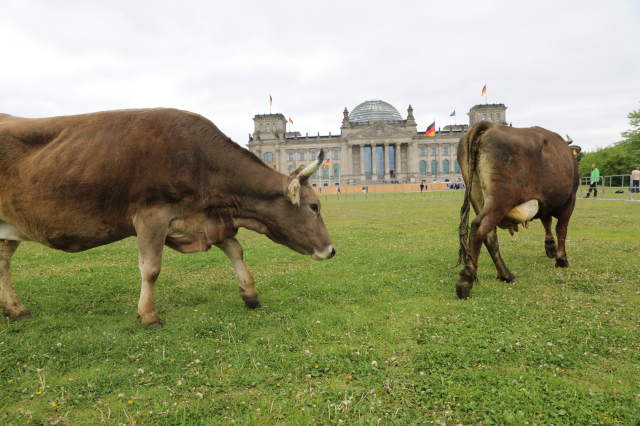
[512, 177]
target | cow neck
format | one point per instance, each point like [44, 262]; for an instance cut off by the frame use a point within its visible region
[255, 192]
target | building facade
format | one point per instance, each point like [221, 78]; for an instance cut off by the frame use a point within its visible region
[375, 145]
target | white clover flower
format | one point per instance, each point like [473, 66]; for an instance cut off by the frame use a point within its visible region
[374, 363]
[197, 361]
[179, 382]
[140, 371]
[59, 344]
[199, 395]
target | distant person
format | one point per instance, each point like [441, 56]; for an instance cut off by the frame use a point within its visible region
[363, 189]
[337, 190]
[320, 190]
[595, 177]
[635, 177]
[421, 186]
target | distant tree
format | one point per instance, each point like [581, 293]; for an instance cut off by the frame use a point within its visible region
[619, 158]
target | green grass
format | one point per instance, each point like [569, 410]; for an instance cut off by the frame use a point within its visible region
[374, 336]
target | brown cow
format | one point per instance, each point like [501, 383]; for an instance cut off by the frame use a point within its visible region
[513, 176]
[168, 177]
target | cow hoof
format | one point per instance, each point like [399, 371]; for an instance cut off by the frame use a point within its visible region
[551, 250]
[156, 325]
[252, 304]
[562, 263]
[463, 288]
[509, 278]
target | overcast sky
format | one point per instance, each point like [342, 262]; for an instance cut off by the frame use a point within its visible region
[569, 66]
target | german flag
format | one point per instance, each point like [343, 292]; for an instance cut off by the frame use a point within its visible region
[270, 100]
[484, 90]
[431, 130]
[326, 164]
[290, 120]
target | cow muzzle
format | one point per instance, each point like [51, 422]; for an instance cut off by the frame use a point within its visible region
[327, 254]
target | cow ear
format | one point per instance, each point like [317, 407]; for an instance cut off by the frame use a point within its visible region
[294, 192]
[576, 149]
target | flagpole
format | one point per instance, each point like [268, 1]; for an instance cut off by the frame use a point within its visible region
[435, 139]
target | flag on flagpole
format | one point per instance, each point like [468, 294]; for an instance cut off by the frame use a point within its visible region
[484, 90]
[453, 114]
[290, 120]
[270, 100]
[431, 130]
[326, 164]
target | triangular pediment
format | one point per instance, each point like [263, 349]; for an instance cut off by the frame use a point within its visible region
[380, 130]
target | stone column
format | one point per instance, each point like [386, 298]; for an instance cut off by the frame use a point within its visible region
[374, 168]
[349, 162]
[362, 175]
[399, 160]
[387, 169]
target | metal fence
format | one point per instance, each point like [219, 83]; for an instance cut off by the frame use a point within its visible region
[614, 187]
[611, 188]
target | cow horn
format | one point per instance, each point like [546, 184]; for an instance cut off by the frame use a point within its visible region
[569, 140]
[311, 168]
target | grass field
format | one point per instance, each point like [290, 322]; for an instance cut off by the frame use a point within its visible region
[374, 336]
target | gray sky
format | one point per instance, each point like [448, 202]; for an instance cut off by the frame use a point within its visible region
[569, 66]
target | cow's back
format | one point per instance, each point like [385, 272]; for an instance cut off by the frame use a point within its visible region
[521, 163]
[75, 182]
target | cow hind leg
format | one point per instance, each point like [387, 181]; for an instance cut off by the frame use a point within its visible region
[549, 242]
[151, 229]
[491, 243]
[561, 233]
[485, 222]
[233, 250]
[11, 306]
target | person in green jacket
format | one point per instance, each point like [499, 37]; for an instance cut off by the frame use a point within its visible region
[595, 177]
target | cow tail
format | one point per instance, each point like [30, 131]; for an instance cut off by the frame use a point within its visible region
[464, 253]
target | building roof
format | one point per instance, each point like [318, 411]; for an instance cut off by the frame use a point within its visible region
[374, 110]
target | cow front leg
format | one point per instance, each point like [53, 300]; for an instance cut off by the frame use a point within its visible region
[549, 242]
[491, 243]
[152, 233]
[561, 233]
[481, 225]
[233, 250]
[11, 306]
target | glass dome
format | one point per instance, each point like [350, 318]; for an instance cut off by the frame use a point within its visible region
[374, 110]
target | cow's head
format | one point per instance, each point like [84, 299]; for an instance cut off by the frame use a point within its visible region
[300, 227]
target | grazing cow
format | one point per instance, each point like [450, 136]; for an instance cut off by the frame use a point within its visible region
[513, 176]
[168, 177]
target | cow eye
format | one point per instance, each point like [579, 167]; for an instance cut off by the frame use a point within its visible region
[314, 207]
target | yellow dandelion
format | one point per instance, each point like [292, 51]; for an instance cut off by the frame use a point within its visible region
[39, 393]
[350, 377]
[11, 381]
[278, 384]
[53, 404]
[130, 401]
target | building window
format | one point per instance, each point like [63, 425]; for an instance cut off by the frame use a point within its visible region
[446, 151]
[335, 155]
[290, 157]
[433, 151]
[313, 155]
[497, 116]
[456, 166]
[302, 155]
[421, 151]
[315, 175]
[423, 168]
[445, 167]
[336, 171]
[290, 169]
[262, 127]
[274, 126]
[484, 116]
[490, 116]
[267, 126]
[434, 167]
[268, 157]
[456, 148]
[325, 173]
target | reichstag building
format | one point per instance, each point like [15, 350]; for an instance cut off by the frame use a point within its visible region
[375, 145]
